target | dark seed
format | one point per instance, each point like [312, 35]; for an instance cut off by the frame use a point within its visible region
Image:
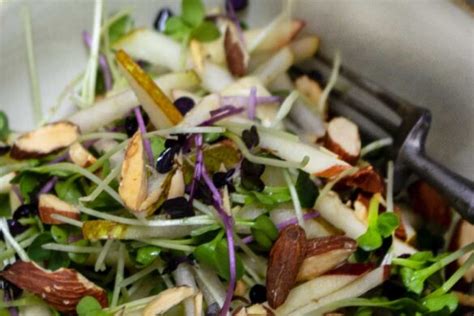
[239, 5]
[252, 169]
[252, 183]
[178, 207]
[258, 294]
[203, 193]
[219, 179]
[184, 104]
[131, 125]
[15, 227]
[4, 149]
[160, 22]
[250, 137]
[25, 210]
[165, 161]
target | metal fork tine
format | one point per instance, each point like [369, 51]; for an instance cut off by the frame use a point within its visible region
[394, 103]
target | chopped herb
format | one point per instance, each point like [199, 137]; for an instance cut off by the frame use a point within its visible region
[146, 255]
[4, 127]
[120, 27]
[89, 306]
[306, 189]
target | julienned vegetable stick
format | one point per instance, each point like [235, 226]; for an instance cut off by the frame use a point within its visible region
[118, 105]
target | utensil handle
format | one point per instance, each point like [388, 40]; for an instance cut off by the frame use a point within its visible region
[458, 190]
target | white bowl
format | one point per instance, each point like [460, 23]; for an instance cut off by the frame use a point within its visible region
[421, 50]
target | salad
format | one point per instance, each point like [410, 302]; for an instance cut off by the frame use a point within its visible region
[203, 173]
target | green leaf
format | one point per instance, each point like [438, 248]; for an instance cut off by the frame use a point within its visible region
[5, 210]
[120, 27]
[146, 255]
[68, 191]
[373, 210]
[306, 189]
[371, 240]
[176, 28]
[222, 256]
[192, 12]
[437, 303]
[59, 234]
[79, 257]
[35, 250]
[262, 239]
[387, 223]
[157, 146]
[211, 137]
[58, 260]
[89, 306]
[411, 280]
[4, 127]
[205, 32]
[28, 182]
[264, 224]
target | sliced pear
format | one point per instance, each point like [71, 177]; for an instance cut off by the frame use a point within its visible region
[279, 63]
[45, 140]
[134, 183]
[49, 204]
[201, 111]
[215, 78]
[309, 88]
[81, 156]
[160, 109]
[167, 299]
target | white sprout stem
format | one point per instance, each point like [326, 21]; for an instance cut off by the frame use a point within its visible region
[251, 272]
[294, 198]
[157, 265]
[259, 261]
[322, 102]
[202, 207]
[35, 89]
[118, 276]
[67, 220]
[285, 107]
[103, 135]
[262, 160]
[9, 253]
[186, 130]
[88, 85]
[390, 186]
[376, 145]
[98, 190]
[71, 248]
[238, 127]
[133, 305]
[99, 263]
[10, 240]
[169, 245]
[107, 155]
[330, 184]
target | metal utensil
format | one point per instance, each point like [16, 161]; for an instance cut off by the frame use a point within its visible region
[409, 132]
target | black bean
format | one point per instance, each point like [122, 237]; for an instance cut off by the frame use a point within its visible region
[15, 227]
[160, 22]
[165, 161]
[258, 294]
[178, 207]
[239, 5]
[184, 104]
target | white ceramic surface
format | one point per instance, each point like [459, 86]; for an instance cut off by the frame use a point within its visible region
[422, 50]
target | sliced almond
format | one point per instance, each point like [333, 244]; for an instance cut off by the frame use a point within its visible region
[324, 254]
[304, 48]
[81, 156]
[49, 204]
[167, 299]
[236, 55]
[275, 35]
[133, 183]
[427, 202]
[45, 140]
[256, 310]
[309, 88]
[240, 288]
[285, 260]
[61, 289]
[367, 179]
[157, 185]
[463, 236]
[160, 109]
[343, 138]
[176, 188]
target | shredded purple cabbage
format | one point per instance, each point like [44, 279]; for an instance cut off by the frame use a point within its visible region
[229, 111]
[104, 65]
[252, 108]
[228, 224]
[197, 166]
[48, 186]
[280, 226]
[142, 127]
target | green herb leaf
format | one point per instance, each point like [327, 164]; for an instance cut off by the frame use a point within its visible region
[157, 145]
[146, 255]
[28, 182]
[5, 210]
[222, 256]
[205, 32]
[58, 260]
[4, 127]
[120, 27]
[68, 191]
[79, 257]
[371, 240]
[306, 189]
[192, 12]
[177, 28]
[264, 224]
[438, 303]
[89, 306]
[59, 234]
[36, 251]
[387, 223]
[262, 239]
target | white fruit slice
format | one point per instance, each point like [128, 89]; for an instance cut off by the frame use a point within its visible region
[167, 299]
[304, 48]
[277, 64]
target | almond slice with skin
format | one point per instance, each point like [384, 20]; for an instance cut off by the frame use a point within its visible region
[284, 262]
[49, 204]
[309, 88]
[324, 254]
[160, 110]
[81, 156]
[134, 183]
[167, 299]
[236, 55]
[367, 179]
[343, 138]
[61, 289]
[46, 140]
